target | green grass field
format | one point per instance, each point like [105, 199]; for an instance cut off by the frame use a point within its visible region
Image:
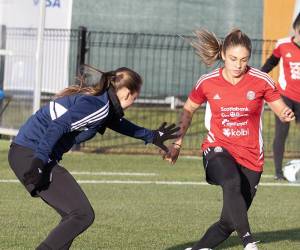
[162, 209]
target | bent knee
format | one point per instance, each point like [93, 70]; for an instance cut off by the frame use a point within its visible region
[226, 226]
[84, 217]
[88, 216]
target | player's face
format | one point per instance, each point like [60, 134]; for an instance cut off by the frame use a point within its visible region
[235, 61]
[126, 98]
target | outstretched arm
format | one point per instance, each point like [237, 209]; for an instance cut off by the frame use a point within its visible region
[125, 127]
[185, 120]
[157, 136]
[284, 113]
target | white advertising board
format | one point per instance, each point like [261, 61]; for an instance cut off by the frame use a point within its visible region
[22, 44]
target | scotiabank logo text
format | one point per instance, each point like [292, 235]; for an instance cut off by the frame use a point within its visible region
[231, 132]
[234, 111]
[224, 109]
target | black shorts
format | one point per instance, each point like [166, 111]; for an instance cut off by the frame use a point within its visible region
[225, 161]
[294, 105]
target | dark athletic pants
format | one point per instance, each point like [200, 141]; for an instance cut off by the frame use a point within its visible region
[281, 133]
[63, 194]
[239, 186]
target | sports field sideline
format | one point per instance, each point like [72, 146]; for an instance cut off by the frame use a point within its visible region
[142, 202]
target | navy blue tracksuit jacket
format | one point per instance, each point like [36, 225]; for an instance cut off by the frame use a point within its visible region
[69, 120]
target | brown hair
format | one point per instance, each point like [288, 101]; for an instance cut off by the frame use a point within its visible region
[209, 48]
[296, 22]
[122, 77]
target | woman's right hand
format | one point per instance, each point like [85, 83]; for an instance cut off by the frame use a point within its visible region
[287, 115]
[173, 152]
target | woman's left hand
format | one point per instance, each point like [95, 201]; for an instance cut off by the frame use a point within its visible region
[287, 115]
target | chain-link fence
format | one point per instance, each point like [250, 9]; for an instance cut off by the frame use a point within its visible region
[170, 68]
[18, 69]
[167, 64]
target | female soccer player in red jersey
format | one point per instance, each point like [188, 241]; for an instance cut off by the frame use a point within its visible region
[233, 149]
[288, 50]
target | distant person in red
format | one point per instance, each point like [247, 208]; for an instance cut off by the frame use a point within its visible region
[288, 50]
[233, 154]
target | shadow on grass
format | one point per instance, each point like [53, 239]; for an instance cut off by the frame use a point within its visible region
[263, 237]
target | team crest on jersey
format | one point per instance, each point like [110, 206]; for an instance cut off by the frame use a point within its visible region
[250, 95]
[218, 149]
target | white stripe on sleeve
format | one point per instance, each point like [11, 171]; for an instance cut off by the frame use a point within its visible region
[97, 115]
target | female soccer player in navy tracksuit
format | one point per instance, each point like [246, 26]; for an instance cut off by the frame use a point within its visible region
[76, 115]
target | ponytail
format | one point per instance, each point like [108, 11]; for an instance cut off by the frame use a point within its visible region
[208, 47]
[94, 81]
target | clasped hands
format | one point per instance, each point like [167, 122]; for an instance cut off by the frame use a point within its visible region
[164, 133]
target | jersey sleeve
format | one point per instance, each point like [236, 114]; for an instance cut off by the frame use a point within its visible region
[197, 95]
[82, 114]
[270, 63]
[85, 135]
[271, 93]
[128, 128]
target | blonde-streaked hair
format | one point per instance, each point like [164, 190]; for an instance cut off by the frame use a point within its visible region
[209, 48]
[122, 77]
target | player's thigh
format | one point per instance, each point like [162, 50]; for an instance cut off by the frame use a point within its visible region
[64, 193]
[220, 166]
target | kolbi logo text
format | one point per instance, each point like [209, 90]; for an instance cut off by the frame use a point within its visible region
[230, 132]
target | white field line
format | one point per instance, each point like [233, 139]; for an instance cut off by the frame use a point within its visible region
[190, 183]
[191, 157]
[112, 173]
[268, 176]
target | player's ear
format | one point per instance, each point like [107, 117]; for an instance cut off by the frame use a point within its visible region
[127, 95]
[223, 55]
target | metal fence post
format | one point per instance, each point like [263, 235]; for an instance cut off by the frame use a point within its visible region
[81, 48]
[2, 62]
[80, 59]
[2, 57]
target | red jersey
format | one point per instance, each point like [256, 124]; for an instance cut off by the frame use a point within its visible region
[236, 111]
[289, 68]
